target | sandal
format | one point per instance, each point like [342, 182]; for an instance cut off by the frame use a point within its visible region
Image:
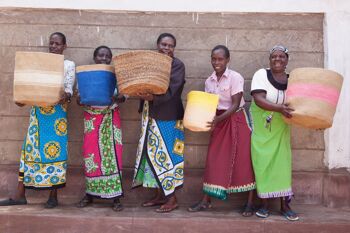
[200, 206]
[10, 201]
[117, 206]
[51, 203]
[290, 215]
[167, 209]
[153, 203]
[262, 213]
[84, 202]
[248, 210]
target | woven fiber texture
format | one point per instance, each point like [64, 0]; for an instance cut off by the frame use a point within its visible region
[38, 78]
[142, 72]
[200, 109]
[314, 94]
[96, 84]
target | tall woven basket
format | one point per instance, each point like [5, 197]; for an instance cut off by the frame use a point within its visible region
[313, 93]
[142, 72]
[96, 84]
[38, 78]
[200, 109]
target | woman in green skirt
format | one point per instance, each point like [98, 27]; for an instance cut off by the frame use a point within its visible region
[270, 144]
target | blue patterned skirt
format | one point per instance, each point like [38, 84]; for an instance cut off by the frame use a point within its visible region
[43, 161]
[160, 154]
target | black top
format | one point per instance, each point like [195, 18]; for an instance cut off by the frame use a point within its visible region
[275, 83]
[169, 106]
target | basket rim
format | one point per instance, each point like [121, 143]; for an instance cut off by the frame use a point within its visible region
[137, 52]
[95, 67]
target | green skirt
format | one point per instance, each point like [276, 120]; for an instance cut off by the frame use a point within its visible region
[271, 153]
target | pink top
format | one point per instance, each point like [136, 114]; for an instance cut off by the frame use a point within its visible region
[230, 84]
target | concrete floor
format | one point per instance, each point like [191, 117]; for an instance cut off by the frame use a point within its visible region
[101, 218]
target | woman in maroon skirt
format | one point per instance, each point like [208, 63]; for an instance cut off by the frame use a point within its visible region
[228, 166]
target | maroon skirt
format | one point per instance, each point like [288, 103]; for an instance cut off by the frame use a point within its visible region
[229, 166]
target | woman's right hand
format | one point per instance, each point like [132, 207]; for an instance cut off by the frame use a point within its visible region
[78, 100]
[285, 110]
[19, 104]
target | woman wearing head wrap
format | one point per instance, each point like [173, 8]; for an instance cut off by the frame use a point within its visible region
[270, 144]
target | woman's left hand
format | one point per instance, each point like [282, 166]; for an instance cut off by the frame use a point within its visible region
[65, 98]
[213, 123]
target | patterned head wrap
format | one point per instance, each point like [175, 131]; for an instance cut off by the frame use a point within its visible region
[279, 48]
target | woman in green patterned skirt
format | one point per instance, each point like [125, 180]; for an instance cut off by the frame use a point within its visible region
[270, 144]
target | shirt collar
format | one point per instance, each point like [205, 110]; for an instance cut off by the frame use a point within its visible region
[215, 78]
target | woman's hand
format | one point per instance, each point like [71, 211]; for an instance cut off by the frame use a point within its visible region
[78, 101]
[146, 96]
[285, 110]
[119, 99]
[65, 98]
[19, 104]
[214, 122]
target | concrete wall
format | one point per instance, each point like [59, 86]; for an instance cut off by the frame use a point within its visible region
[248, 36]
[337, 51]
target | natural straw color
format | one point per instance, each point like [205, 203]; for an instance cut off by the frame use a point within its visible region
[142, 72]
[95, 67]
[313, 93]
[38, 78]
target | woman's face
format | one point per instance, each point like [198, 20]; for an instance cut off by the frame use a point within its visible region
[219, 61]
[56, 44]
[278, 61]
[103, 56]
[167, 46]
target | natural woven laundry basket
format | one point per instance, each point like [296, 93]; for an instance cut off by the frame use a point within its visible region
[314, 94]
[200, 109]
[38, 78]
[142, 72]
[96, 84]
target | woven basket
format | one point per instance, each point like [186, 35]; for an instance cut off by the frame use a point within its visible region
[142, 72]
[96, 84]
[38, 78]
[313, 93]
[200, 109]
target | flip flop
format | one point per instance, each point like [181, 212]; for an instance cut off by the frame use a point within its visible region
[167, 210]
[117, 206]
[200, 206]
[153, 203]
[248, 210]
[51, 203]
[84, 202]
[10, 201]
[290, 215]
[262, 213]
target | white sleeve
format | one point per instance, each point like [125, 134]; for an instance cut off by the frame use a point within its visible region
[69, 76]
[259, 80]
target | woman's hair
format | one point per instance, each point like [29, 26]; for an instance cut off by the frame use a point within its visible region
[60, 34]
[163, 35]
[101, 47]
[223, 47]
